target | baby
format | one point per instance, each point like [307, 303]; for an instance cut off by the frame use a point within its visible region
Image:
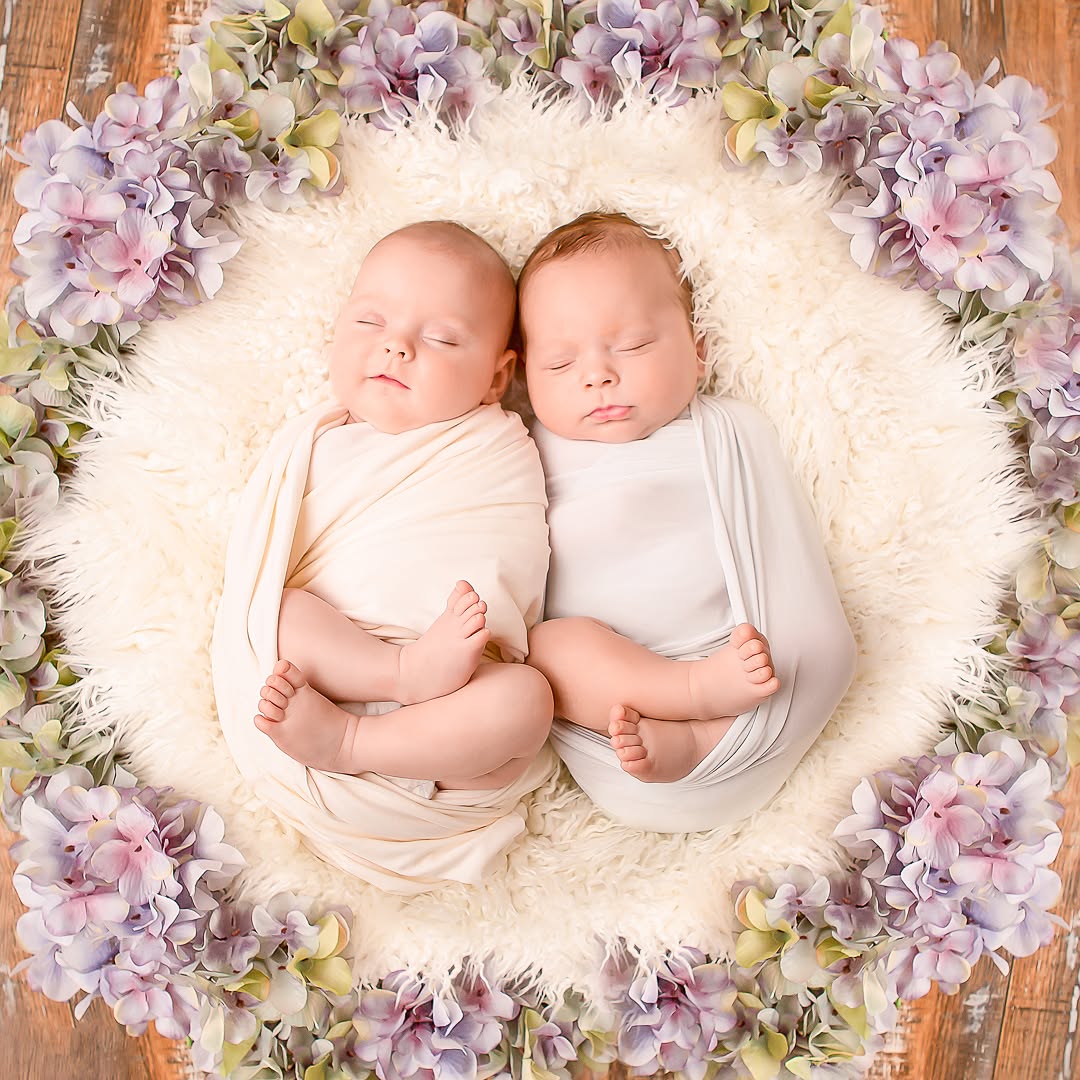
[422, 340]
[362, 513]
[664, 509]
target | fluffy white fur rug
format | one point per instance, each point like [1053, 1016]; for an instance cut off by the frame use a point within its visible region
[915, 487]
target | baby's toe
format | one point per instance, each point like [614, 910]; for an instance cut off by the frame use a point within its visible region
[275, 697]
[631, 753]
[753, 647]
[465, 601]
[761, 676]
[281, 684]
[269, 711]
[458, 591]
[743, 633]
[295, 678]
[622, 725]
[756, 662]
[474, 625]
[622, 742]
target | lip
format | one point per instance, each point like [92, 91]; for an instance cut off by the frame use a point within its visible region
[391, 380]
[610, 412]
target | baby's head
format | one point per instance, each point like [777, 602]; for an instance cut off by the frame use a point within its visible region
[424, 334]
[610, 351]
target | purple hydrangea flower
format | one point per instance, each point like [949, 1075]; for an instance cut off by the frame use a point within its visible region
[955, 856]
[406, 59]
[117, 890]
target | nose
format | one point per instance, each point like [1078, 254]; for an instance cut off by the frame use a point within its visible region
[597, 373]
[397, 349]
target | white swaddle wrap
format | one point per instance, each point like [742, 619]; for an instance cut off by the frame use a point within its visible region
[673, 541]
[381, 526]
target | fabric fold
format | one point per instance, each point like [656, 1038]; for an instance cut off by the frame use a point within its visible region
[380, 527]
[774, 573]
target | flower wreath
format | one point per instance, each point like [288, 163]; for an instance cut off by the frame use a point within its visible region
[946, 189]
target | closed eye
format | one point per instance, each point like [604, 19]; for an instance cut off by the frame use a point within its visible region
[636, 347]
[442, 341]
[559, 367]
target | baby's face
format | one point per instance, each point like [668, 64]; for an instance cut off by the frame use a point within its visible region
[420, 338]
[610, 354]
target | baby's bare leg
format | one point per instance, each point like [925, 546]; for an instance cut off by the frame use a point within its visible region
[347, 663]
[591, 668]
[502, 713]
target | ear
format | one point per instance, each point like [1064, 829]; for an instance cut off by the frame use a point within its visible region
[504, 372]
[699, 348]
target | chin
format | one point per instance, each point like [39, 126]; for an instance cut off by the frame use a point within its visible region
[614, 432]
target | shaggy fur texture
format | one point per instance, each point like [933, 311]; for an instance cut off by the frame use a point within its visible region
[919, 498]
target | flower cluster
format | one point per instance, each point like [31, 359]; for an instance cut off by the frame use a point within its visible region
[125, 889]
[117, 219]
[954, 189]
[673, 1017]
[957, 851]
[814, 953]
[386, 61]
[119, 886]
[670, 47]
[274, 987]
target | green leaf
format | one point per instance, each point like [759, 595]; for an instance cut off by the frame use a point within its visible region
[7, 532]
[245, 125]
[12, 691]
[743, 102]
[819, 93]
[233, 1053]
[323, 130]
[753, 946]
[331, 974]
[13, 755]
[854, 1018]
[800, 1067]
[15, 417]
[761, 1063]
[220, 60]
[255, 982]
[316, 15]
[840, 23]
[323, 166]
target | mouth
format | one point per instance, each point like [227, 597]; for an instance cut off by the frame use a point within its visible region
[610, 412]
[391, 380]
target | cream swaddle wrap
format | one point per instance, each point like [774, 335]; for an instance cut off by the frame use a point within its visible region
[674, 540]
[381, 526]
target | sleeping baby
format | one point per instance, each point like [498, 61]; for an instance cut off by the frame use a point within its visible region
[694, 639]
[393, 726]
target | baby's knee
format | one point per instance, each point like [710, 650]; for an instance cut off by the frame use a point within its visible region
[529, 700]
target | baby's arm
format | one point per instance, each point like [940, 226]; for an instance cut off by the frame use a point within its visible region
[592, 669]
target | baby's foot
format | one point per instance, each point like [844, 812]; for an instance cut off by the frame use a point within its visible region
[444, 658]
[735, 678]
[305, 725]
[661, 751]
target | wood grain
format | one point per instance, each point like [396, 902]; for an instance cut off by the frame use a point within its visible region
[126, 41]
[1041, 1037]
[1020, 1027]
[1043, 45]
[36, 45]
[42, 1039]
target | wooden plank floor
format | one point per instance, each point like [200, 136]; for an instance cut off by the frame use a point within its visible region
[1017, 1027]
